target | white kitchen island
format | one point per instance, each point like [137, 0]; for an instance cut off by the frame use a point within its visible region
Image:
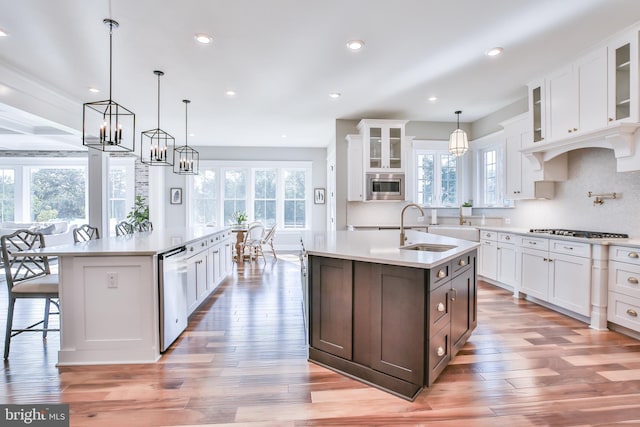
[109, 293]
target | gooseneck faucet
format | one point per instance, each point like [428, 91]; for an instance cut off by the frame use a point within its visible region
[402, 236]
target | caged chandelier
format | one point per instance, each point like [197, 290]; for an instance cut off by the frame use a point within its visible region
[107, 125]
[185, 159]
[458, 141]
[156, 145]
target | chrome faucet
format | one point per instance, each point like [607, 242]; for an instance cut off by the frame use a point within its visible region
[402, 236]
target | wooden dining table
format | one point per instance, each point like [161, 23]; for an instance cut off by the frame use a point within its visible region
[239, 230]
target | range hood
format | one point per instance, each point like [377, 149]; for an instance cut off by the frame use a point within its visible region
[622, 138]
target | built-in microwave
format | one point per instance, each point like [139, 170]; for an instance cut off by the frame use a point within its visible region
[385, 186]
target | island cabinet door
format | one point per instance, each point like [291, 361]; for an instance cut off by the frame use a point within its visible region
[398, 304]
[331, 306]
[463, 309]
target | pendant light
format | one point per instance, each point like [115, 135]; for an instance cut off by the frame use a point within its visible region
[156, 145]
[107, 125]
[458, 141]
[185, 159]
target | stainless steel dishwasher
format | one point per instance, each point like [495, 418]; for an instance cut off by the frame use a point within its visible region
[172, 274]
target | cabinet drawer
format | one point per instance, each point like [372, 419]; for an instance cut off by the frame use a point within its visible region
[439, 353]
[624, 254]
[439, 309]
[507, 238]
[624, 278]
[462, 263]
[534, 243]
[624, 310]
[488, 235]
[439, 275]
[570, 248]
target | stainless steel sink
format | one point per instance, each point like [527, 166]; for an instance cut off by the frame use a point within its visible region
[428, 247]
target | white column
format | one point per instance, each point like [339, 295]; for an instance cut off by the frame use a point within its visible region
[98, 171]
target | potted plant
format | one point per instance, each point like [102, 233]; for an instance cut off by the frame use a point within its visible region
[466, 208]
[139, 212]
[239, 217]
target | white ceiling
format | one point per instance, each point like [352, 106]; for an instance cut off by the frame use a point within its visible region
[283, 58]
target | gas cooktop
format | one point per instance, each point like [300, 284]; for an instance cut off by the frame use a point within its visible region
[580, 233]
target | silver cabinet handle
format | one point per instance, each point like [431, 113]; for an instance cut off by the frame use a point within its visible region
[440, 351]
[462, 263]
[633, 255]
[632, 313]
[568, 248]
[441, 274]
[440, 307]
[633, 280]
[507, 238]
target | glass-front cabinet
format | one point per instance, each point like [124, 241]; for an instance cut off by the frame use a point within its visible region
[623, 79]
[384, 144]
[537, 109]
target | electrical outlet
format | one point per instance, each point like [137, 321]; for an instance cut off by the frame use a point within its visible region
[507, 221]
[112, 280]
[421, 218]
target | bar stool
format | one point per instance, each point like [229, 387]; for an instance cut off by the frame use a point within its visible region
[123, 228]
[85, 233]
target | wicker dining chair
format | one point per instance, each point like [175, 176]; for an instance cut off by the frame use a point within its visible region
[84, 233]
[123, 228]
[27, 277]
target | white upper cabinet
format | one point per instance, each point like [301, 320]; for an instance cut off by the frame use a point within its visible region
[383, 144]
[538, 110]
[577, 96]
[623, 79]
[355, 176]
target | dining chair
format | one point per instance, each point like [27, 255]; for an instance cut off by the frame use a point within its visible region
[85, 233]
[268, 240]
[144, 225]
[123, 228]
[252, 235]
[27, 277]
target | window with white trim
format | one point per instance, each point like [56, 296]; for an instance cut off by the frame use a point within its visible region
[491, 176]
[268, 192]
[437, 174]
[7, 194]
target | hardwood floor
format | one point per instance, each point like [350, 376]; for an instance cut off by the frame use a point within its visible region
[242, 361]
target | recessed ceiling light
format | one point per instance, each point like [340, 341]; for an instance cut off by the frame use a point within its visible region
[192, 134]
[3, 33]
[94, 90]
[494, 51]
[283, 136]
[355, 44]
[433, 98]
[230, 93]
[203, 38]
[334, 95]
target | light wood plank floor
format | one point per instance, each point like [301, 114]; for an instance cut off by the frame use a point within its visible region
[242, 361]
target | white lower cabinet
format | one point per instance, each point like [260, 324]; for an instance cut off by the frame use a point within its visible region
[506, 260]
[488, 264]
[557, 271]
[624, 287]
[210, 262]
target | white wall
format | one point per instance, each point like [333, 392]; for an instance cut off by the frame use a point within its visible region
[283, 240]
[590, 169]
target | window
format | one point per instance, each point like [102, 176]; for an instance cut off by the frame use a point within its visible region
[294, 198]
[268, 192]
[490, 176]
[205, 198]
[437, 178]
[120, 190]
[264, 199]
[235, 193]
[7, 195]
[58, 193]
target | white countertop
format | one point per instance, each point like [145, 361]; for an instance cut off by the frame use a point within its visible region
[634, 243]
[383, 247]
[140, 243]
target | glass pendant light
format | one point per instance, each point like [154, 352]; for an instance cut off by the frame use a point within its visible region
[458, 141]
[156, 144]
[186, 160]
[107, 125]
